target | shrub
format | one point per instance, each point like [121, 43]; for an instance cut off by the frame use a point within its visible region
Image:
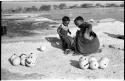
[86, 5]
[122, 5]
[99, 5]
[45, 8]
[111, 5]
[62, 6]
[55, 6]
[73, 6]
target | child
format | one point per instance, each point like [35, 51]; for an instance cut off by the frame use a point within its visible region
[63, 31]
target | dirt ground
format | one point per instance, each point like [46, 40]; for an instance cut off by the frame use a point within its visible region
[54, 64]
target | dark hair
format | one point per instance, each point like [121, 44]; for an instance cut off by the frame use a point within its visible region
[65, 18]
[78, 18]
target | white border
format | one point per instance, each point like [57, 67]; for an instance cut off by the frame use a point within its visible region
[70, 80]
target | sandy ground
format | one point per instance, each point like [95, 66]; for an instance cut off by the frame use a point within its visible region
[53, 64]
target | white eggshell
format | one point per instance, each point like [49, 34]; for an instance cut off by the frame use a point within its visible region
[91, 20]
[33, 56]
[91, 59]
[43, 48]
[103, 63]
[30, 64]
[83, 63]
[16, 61]
[94, 65]
[31, 60]
[12, 57]
[22, 62]
[22, 56]
[105, 59]
[83, 59]
[23, 59]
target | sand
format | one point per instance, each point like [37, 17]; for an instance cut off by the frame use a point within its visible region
[54, 64]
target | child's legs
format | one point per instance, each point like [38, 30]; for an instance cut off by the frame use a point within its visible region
[64, 44]
[68, 42]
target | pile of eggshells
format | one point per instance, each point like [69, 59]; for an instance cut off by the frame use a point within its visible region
[93, 63]
[23, 59]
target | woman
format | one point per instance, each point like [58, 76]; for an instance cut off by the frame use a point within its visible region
[86, 41]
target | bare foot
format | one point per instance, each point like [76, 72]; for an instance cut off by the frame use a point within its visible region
[67, 51]
[99, 51]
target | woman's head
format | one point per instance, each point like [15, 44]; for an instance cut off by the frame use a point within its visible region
[65, 20]
[78, 21]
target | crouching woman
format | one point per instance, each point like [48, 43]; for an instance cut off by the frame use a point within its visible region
[86, 41]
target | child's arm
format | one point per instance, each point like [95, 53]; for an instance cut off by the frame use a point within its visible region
[58, 31]
[69, 31]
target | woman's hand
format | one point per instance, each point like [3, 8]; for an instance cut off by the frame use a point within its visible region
[87, 34]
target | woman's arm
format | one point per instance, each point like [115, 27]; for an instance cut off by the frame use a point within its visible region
[87, 33]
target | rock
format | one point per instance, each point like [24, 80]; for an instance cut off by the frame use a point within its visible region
[111, 46]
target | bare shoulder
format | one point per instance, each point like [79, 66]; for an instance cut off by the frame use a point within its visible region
[59, 27]
[88, 25]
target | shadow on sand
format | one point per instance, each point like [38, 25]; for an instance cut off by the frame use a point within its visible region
[55, 42]
[115, 36]
[75, 63]
[7, 75]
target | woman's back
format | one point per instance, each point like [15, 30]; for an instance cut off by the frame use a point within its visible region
[84, 45]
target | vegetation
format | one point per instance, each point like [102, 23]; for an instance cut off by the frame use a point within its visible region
[33, 8]
[87, 5]
[55, 7]
[45, 8]
[112, 5]
[122, 5]
[60, 6]
[73, 6]
[99, 5]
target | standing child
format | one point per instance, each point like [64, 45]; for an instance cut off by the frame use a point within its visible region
[63, 31]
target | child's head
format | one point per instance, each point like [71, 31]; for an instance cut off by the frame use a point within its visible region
[78, 21]
[65, 20]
